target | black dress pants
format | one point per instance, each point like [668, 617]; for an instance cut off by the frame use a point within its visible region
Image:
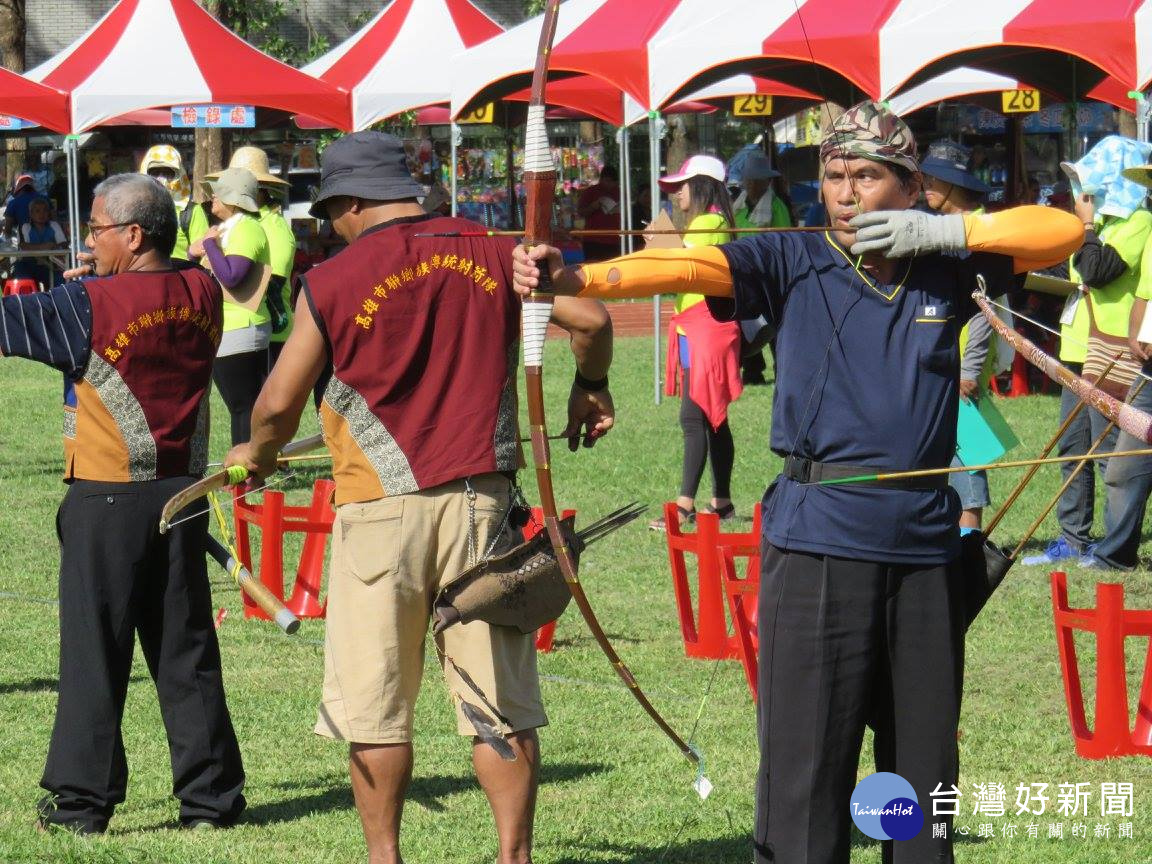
[118, 578]
[845, 644]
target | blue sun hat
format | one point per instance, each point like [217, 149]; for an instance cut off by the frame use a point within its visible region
[947, 160]
[1100, 173]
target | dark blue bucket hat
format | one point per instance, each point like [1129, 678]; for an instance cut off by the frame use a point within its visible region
[369, 165]
[948, 161]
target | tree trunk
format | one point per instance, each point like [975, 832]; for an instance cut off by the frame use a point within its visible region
[210, 143]
[12, 33]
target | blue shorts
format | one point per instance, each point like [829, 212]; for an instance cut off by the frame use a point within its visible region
[972, 486]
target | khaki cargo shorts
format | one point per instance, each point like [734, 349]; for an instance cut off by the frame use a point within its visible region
[390, 557]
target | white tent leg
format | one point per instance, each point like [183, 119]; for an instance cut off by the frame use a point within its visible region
[72, 162]
[453, 134]
[654, 194]
[625, 190]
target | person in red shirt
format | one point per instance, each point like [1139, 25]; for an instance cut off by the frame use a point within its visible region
[599, 204]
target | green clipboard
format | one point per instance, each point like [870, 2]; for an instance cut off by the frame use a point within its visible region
[982, 433]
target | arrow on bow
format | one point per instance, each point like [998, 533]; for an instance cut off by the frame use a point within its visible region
[540, 186]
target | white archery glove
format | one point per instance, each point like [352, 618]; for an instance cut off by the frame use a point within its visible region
[904, 233]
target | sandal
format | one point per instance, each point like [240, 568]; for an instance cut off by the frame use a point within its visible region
[687, 517]
[726, 513]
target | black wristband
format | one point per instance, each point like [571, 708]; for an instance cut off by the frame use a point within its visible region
[590, 385]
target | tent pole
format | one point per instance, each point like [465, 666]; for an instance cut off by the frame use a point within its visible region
[1144, 117]
[454, 134]
[654, 194]
[72, 162]
[625, 189]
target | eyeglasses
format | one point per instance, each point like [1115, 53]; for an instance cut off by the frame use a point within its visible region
[95, 228]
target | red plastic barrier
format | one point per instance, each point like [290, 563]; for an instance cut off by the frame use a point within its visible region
[274, 520]
[703, 626]
[743, 597]
[1115, 734]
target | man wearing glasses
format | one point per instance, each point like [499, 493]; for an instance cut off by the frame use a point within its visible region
[138, 341]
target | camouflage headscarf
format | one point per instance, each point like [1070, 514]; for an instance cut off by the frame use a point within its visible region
[870, 130]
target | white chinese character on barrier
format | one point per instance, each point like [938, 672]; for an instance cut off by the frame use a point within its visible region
[1055, 830]
[1115, 799]
[1079, 829]
[1033, 830]
[985, 830]
[1103, 829]
[1125, 830]
[1071, 798]
[943, 798]
[939, 829]
[990, 798]
[1009, 830]
[1030, 796]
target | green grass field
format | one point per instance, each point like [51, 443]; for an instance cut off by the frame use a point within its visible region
[614, 789]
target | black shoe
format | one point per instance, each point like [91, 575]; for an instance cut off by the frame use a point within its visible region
[687, 517]
[754, 381]
[726, 513]
[50, 817]
[202, 825]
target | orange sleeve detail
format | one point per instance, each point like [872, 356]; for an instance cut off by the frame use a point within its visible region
[1034, 236]
[699, 270]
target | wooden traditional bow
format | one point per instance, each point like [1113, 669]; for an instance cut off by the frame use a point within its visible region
[227, 477]
[1135, 422]
[540, 189]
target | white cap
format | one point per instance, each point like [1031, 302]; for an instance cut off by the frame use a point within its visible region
[694, 166]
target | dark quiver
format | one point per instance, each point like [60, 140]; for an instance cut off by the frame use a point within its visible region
[983, 566]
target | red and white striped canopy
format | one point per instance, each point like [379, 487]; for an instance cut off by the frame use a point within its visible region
[881, 46]
[152, 53]
[402, 58]
[605, 38]
[28, 100]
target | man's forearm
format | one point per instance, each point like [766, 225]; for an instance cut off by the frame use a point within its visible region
[590, 334]
[1034, 236]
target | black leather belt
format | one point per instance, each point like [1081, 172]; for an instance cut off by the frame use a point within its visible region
[807, 471]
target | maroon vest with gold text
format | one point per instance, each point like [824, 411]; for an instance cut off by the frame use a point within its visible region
[142, 406]
[423, 333]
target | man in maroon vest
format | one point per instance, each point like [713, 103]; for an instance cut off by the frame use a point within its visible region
[419, 334]
[138, 342]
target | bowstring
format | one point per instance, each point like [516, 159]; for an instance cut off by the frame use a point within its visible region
[279, 478]
[845, 308]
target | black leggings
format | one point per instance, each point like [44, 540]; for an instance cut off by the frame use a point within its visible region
[239, 378]
[703, 444]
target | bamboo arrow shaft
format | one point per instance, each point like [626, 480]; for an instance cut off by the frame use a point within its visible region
[1019, 463]
[1031, 472]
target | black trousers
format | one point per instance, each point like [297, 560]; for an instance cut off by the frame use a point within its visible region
[845, 644]
[239, 378]
[118, 578]
[704, 445]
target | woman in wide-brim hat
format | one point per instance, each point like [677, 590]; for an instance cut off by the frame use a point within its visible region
[236, 250]
[281, 242]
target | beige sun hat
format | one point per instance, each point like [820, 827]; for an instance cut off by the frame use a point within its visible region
[1141, 174]
[255, 159]
[234, 186]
